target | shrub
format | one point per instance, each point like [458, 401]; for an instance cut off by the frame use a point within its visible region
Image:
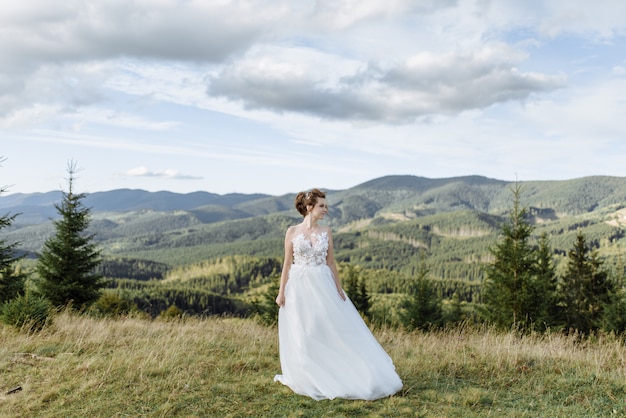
[172, 313]
[27, 312]
[614, 320]
[111, 304]
[266, 308]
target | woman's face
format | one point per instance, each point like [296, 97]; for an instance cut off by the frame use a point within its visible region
[320, 209]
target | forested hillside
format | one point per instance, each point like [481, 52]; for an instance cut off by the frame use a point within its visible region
[406, 195]
[389, 228]
[390, 214]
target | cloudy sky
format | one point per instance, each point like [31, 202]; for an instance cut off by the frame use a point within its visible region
[277, 96]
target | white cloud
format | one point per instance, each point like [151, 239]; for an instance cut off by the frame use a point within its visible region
[601, 21]
[109, 117]
[589, 114]
[62, 54]
[165, 174]
[31, 116]
[430, 57]
[336, 15]
[425, 85]
[67, 86]
[619, 70]
[168, 29]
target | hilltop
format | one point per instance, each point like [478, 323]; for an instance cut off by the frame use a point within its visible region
[410, 195]
[379, 224]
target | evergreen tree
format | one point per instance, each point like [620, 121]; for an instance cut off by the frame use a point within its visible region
[454, 313]
[614, 315]
[67, 264]
[546, 312]
[357, 291]
[422, 308]
[512, 290]
[11, 278]
[364, 300]
[266, 308]
[585, 289]
[351, 282]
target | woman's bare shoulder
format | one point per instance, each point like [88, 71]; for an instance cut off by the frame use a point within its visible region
[291, 231]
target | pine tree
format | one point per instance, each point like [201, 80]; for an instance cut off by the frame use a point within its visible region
[585, 289]
[614, 315]
[454, 313]
[545, 312]
[511, 290]
[266, 308]
[67, 264]
[357, 291]
[351, 283]
[422, 308]
[364, 301]
[11, 278]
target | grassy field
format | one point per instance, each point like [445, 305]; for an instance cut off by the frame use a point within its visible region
[223, 367]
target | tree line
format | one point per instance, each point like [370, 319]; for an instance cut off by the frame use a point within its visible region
[522, 290]
[515, 286]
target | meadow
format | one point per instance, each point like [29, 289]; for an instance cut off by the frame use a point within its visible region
[79, 366]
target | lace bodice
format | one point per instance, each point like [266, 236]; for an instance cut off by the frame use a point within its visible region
[310, 251]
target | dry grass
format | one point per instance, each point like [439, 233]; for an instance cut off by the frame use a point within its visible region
[82, 367]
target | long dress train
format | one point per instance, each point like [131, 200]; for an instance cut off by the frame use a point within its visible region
[326, 349]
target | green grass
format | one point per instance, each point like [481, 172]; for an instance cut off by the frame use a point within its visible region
[223, 367]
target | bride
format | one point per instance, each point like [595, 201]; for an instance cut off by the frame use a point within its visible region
[326, 349]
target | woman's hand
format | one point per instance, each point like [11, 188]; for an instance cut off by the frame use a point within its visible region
[280, 299]
[342, 295]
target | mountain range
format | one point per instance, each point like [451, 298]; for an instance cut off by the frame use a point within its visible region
[456, 218]
[407, 195]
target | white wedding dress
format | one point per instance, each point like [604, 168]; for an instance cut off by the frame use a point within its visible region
[326, 350]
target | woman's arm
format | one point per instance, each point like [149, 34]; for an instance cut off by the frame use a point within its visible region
[284, 276]
[330, 261]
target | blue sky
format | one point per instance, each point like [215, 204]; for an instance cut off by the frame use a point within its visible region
[277, 96]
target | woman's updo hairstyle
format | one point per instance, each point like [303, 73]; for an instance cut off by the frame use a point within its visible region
[304, 199]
